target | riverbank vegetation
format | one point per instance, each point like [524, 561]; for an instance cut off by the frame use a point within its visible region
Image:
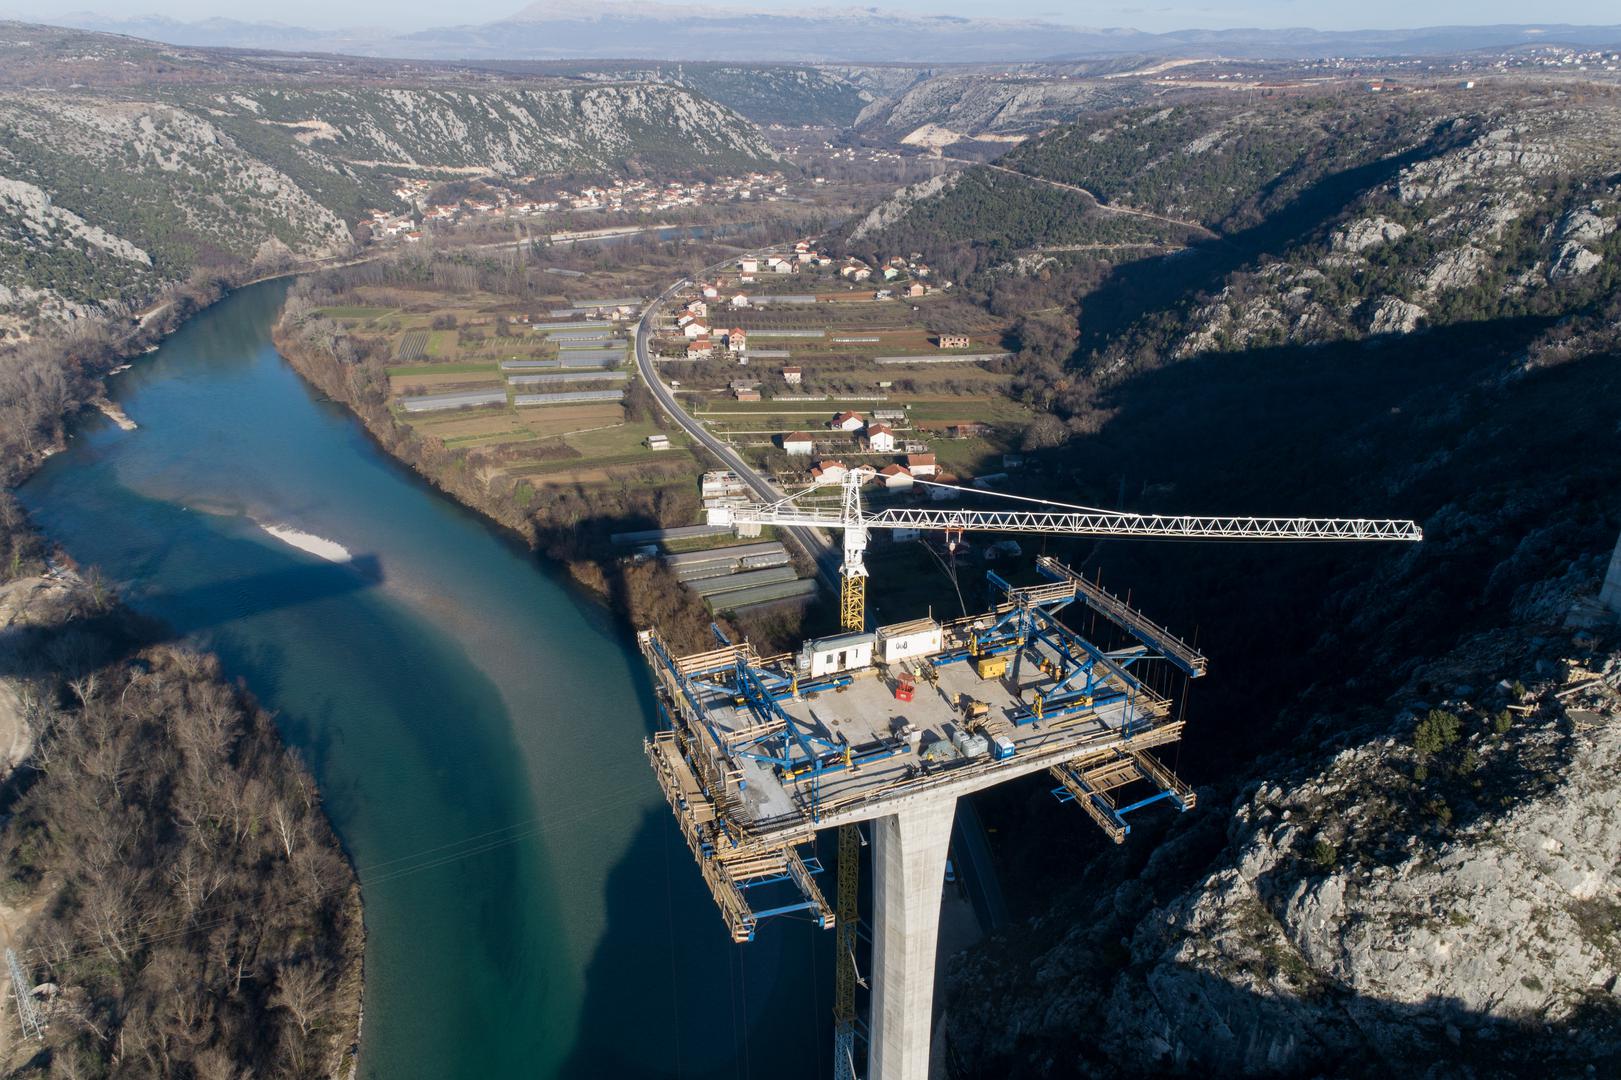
[564, 477]
[169, 880]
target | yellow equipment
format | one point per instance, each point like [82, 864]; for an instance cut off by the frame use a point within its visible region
[991, 667]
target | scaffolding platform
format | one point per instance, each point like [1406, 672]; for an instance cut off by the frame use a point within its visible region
[758, 753]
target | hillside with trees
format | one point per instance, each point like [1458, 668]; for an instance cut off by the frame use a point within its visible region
[112, 192]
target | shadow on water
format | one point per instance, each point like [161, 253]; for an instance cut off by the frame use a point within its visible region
[73, 649]
[704, 1008]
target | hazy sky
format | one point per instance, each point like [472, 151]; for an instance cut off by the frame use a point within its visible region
[1321, 14]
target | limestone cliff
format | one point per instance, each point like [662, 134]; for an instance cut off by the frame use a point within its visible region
[1435, 894]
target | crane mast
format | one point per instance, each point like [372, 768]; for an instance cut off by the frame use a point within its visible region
[1057, 519]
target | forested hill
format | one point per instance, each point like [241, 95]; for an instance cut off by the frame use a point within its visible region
[110, 190]
[1333, 218]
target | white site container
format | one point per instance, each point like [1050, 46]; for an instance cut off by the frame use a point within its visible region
[846, 652]
[971, 745]
[903, 641]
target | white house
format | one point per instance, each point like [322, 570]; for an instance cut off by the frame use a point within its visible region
[695, 329]
[698, 308]
[882, 440]
[749, 266]
[740, 301]
[736, 339]
[920, 464]
[798, 443]
[894, 478]
[847, 421]
[829, 472]
[793, 376]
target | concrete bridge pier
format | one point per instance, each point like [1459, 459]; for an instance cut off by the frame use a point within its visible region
[909, 868]
[1610, 595]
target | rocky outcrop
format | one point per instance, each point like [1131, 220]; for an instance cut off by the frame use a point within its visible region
[1442, 896]
[896, 206]
[971, 105]
[1393, 315]
[1573, 260]
[1367, 233]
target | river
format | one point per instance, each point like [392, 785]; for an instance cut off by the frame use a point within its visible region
[474, 723]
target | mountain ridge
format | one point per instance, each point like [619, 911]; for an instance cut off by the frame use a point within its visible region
[825, 34]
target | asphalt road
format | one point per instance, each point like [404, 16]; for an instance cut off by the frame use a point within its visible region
[813, 542]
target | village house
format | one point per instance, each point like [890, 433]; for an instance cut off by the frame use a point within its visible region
[749, 266]
[829, 472]
[881, 438]
[894, 478]
[711, 292]
[952, 341]
[798, 442]
[746, 394]
[695, 329]
[968, 429]
[920, 464]
[942, 494]
[847, 421]
[917, 288]
[700, 348]
[792, 376]
[718, 482]
[740, 301]
[736, 339]
[698, 308]
[658, 442]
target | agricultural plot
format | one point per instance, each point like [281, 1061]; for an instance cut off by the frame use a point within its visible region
[413, 346]
[400, 385]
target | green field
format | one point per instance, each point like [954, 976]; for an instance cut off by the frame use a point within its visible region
[443, 369]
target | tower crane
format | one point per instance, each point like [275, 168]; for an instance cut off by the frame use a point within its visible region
[809, 508]
[1053, 518]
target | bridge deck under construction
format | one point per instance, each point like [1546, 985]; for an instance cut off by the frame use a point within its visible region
[761, 752]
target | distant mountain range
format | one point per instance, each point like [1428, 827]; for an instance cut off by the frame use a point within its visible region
[616, 29]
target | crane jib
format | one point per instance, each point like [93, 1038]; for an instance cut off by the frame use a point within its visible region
[1087, 524]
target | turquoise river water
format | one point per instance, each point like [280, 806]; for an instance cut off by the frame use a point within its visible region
[474, 723]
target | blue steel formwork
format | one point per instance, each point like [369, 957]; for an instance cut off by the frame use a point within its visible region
[1082, 678]
[755, 755]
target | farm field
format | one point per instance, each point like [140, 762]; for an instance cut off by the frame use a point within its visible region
[834, 352]
[434, 341]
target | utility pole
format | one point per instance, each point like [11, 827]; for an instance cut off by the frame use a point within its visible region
[27, 1012]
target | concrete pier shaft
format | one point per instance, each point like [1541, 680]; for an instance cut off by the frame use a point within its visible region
[1610, 595]
[909, 868]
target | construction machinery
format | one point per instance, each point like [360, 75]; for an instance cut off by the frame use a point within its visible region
[757, 753]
